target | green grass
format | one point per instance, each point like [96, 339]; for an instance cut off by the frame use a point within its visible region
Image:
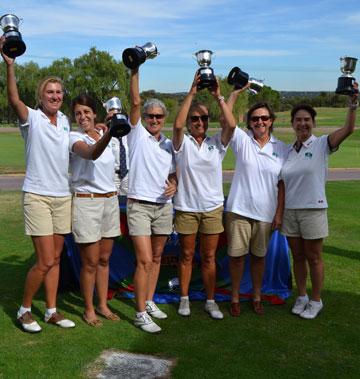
[277, 345]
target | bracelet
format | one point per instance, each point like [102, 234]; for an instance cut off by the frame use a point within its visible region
[353, 106]
[221, 98]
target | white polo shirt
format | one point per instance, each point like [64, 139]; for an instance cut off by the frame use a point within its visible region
[88, 175]
[254, 190]
[304, 174]
[46, 154]
[151, 162]
[199, 170]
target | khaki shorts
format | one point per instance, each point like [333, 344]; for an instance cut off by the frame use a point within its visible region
[95, 218]
[246, 235]
[309, 224]
[146, 218]
[46, 215]
[203, 222]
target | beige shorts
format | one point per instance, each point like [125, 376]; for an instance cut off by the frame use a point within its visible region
[46, 215]
[203, 222]
[246, 235]
[95, 218]
[309, 224]
[146, 218]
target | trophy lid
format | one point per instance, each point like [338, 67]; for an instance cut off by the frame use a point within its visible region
[348, 65]
[9, 21]
[113, 103]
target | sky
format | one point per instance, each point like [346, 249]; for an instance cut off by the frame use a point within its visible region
[293, 45]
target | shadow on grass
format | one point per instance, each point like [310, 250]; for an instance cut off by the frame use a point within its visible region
[351, 254]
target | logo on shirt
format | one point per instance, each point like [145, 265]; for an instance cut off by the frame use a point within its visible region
[66, 128]
[276, 155]
[211, 147]
[308, 155]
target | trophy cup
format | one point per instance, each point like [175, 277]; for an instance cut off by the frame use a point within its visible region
[118, 123]
[256, 86]
[207, 77]
[14, 46]
[240, 79]
[346, 80]
[133, 57]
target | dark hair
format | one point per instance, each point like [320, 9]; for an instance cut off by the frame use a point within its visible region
[262, 104]
[83, 99]
[303, 107]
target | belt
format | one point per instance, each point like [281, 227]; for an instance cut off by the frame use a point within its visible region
[145, 202]
[92, 195]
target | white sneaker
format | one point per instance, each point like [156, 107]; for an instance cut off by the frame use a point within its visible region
[153, 310]
[28, 323]
[213, 310]
[312, 309]
[300, 304]
[146, 323]
[58, 319]
[184, 307]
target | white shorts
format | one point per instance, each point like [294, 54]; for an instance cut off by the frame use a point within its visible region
[95, 218]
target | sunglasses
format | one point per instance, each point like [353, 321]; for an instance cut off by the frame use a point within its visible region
[257, 118]
[203, 118]
[157, 116]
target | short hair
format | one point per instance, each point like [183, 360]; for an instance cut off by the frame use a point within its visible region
[152, 103]
[83, 99]
[261, 104]
[303, 107]
[43, 83]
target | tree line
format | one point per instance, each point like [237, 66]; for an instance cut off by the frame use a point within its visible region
[100, 75]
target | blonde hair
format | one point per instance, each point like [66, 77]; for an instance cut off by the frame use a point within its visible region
[43, 83]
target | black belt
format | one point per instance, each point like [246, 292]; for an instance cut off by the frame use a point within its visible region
[145, 202]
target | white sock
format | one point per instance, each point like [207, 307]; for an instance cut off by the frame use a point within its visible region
[148, 302]
[184, 297]
[212, 301]
[305, 297]
[49, 311]
[139, 314]
[23, 310]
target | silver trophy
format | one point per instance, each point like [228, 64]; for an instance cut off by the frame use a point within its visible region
[14, 46]
[346, 80]
[133, 57]
[113, 103]
[256, 86]
[118, 122]
[207, 77]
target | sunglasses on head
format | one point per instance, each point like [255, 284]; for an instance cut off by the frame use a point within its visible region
[203, 118]
[157, 116]
[257, 118]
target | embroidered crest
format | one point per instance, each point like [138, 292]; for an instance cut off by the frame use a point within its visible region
[211, 147]
[308, 155]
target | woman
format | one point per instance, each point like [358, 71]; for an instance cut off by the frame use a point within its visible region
[46, 192]
[305, 217]
[149, 210]
[255, 204]
[199, 200]
[95, 219]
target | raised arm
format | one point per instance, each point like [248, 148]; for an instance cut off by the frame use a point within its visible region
[135, 109]
[338, 136]
[13, 95]
[180, 120]
[92, 152]
[228, 123]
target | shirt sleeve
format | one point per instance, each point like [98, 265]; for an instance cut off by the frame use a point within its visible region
[74, 137]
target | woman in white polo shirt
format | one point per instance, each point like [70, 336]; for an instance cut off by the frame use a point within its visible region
[149, 209]
[199, 199]
[95, 214]
[255, 204]
[46, 192]
[305, 217]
